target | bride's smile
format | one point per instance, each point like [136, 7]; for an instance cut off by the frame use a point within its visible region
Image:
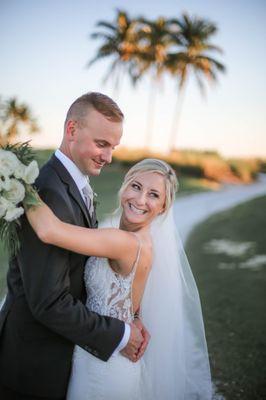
[143, 199]
[135, 209]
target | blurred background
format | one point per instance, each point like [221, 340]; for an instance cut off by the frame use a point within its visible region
[190, 78]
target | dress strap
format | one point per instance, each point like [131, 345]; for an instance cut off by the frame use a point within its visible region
[133, 272]
[138, 253]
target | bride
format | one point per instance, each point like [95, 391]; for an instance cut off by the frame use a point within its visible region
[138, 266]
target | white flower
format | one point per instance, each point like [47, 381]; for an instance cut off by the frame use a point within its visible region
[5, 182]
[16, 192]
[20, 171]
[31, 172]
[13, 213]
[4, 206]
[8, 162]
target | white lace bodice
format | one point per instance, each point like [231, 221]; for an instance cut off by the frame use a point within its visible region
[109, 293]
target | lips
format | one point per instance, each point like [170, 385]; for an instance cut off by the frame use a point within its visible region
[136, 210]
[98, 164]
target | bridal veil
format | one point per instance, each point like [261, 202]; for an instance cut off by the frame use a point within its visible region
[176, 361]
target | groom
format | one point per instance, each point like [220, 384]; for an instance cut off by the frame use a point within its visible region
[44, 314]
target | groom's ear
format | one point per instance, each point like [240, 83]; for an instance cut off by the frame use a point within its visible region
[71, 130]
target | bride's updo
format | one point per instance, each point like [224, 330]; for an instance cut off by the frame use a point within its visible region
[159, 167]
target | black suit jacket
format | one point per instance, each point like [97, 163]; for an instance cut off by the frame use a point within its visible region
[44, 313]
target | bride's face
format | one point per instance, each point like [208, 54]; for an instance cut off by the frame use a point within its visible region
[143, 199]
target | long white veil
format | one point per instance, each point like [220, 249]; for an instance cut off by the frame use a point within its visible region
[176, 363]
[176, 360]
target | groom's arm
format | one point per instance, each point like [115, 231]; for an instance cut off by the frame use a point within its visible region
[45, 274]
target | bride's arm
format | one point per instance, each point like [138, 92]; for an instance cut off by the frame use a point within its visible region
[108, 242]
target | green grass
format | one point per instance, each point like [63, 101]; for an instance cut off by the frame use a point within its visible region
[233, 301]
[106, 186]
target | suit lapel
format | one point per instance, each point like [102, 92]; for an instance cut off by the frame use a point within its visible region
[72, 187]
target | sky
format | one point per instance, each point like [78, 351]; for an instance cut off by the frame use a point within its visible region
[45, 46]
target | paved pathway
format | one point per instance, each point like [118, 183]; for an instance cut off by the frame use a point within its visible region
[191, 210]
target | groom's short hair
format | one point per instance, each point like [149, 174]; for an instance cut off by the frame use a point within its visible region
[100, 102]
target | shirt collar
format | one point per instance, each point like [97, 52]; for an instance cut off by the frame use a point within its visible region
[79, 178]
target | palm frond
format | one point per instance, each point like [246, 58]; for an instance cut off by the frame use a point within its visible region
[214, 63]
[105, 24]
[102, 35]
[200, 83]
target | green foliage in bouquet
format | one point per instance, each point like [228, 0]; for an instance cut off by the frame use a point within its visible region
[18, 171]
[9, 236]
[23, 151]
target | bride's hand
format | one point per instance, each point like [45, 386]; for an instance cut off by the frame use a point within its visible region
[132, 348]
[42, 220]
[145, 335]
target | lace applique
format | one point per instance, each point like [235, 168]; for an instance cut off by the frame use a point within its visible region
[109, 293]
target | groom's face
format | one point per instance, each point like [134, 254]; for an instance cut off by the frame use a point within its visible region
[92, 141]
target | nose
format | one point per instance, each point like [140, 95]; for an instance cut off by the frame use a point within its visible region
[106, 156]
[141, 198]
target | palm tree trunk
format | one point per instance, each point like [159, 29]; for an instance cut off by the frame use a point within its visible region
[116, 87]
[12, 132]
[150, 114]
[176, 118]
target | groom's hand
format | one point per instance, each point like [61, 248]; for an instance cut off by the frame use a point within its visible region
[145, 335]
[134, 344]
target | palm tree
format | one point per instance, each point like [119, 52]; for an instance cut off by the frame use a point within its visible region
[15, 117]
[119, 42]
[154, 40]
[192, 39]
[137, 46]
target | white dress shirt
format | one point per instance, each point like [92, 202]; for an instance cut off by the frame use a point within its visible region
[82, 180]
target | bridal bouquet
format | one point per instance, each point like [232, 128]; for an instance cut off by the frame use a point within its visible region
[18, 171]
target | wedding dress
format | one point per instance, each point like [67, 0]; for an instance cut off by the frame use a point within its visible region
[175, 365]
[108, 293]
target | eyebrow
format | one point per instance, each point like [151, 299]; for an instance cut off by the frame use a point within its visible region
[102, 141]
[105, 143]
[154, 190]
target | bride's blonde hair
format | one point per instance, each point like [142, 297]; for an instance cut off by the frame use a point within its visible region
[157, 166]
